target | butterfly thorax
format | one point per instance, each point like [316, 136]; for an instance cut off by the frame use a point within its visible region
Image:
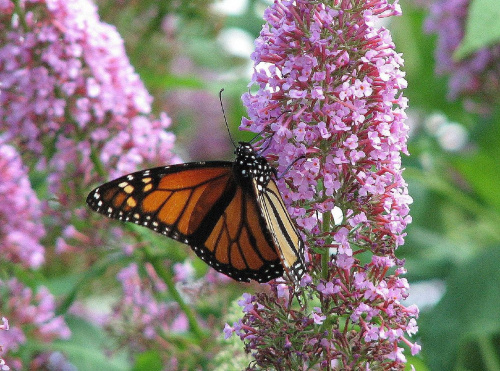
[250, 165]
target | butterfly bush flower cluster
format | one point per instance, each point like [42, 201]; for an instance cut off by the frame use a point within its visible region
[71, 101]
[330, 88]
[475, 76]
[143, 318]
[31, 315]
[21, 230]
[73, 112]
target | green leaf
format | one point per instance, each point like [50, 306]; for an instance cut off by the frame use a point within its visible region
[86, 349]
[94, 272]
[458, 330]
[425, 90]
[62, 285]
[481, 171]
[482, 28]
[416, 362]
[156, 81]
[480, 167]
[148, 361]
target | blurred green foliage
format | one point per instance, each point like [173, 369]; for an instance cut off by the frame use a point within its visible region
[455, 233]
[482, 28]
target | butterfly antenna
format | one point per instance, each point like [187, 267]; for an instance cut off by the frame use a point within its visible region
[290, 166]
[269, 137]
[256, 136]
[225, 119]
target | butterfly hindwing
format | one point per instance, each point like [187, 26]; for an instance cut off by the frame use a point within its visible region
[240, 245]
[287, 239]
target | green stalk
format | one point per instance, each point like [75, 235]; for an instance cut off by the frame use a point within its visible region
[488, 351]
[325, 256]
[97, 163]
[20, 12]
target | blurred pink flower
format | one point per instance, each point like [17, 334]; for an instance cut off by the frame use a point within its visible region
[30, 315]
[72, 103]
[21, 228]
[4, 326]
[475, 76]
[143, 308]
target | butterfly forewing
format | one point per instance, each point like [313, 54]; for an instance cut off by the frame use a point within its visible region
[164, 198]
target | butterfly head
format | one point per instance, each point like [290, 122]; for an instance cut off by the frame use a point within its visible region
[245, 150]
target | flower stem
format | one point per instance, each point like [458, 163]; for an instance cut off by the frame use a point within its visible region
[97, 163]
[488, 351]
[325, 257]
[20, 12]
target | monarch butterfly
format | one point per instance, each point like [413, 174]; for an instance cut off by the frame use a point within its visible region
[230, 213]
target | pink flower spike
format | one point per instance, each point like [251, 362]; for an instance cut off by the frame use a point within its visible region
[333, 91]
